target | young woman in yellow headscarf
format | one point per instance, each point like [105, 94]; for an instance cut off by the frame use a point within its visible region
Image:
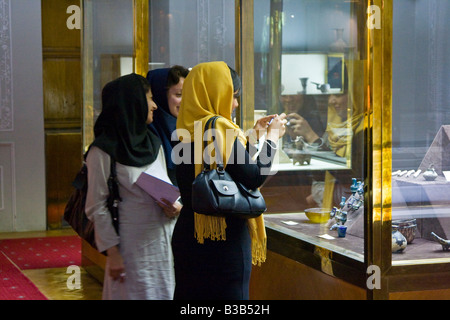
[213, 255]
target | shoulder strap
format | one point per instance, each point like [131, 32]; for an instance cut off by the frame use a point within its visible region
[113, 168]
[219, 163]
[113, 179]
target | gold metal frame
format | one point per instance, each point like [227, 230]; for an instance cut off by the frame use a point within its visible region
[141, 37]
[87, 61]
[244, 48]
[378, 240]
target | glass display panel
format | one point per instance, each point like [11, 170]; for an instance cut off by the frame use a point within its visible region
[183, 32]
[310, 70]
[421, 131]
[108, 51]
[188, 32]
[309, 63]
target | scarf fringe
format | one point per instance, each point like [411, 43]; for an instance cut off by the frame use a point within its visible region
[214, 228]
[209, 227]
[259, 251]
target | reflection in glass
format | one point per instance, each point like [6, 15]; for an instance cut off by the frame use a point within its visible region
[187, 32]
[320, 87]
[108, 52]
[421, 127]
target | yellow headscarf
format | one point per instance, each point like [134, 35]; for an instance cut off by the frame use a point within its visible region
[208, 92]
[341, 132]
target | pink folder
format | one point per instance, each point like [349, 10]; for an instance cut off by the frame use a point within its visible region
[158, 188]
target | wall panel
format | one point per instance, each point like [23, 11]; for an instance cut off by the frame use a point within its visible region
[62, 80]
[7, 190]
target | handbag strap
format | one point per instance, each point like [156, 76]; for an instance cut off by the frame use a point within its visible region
[212, 121]
[114, 193]
[113, 177]
[113, 168]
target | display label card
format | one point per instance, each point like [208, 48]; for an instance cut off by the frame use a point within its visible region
[446, 175]
[290, 223]
[326, 236]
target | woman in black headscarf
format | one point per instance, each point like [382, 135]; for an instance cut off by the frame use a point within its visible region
[139, 262]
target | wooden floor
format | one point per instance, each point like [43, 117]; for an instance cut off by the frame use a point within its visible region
[53, 282]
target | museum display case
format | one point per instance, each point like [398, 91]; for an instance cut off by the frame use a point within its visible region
[358, 205]
[382, 204]
[320, 86]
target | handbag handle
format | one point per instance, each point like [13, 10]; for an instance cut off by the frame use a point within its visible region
[220, 165]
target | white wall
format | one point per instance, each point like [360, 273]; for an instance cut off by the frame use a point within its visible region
[22, 149]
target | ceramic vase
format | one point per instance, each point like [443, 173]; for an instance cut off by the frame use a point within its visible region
[430, 174]
[407, 227]
[398, 240]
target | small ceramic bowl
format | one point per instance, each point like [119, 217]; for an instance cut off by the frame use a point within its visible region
[318, 215]
[406, 227]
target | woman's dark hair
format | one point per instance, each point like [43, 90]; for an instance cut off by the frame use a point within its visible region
[236, 82]
[175, 73]
[145, 84]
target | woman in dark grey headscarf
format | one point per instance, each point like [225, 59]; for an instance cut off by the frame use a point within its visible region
[167, 84]
[139, 262]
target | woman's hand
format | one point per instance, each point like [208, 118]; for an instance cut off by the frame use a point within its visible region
[299, 126]
[277, 128]
[116, 266]
[171, 210]
[261, 125]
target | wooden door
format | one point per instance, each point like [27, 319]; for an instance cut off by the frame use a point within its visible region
[63, 114]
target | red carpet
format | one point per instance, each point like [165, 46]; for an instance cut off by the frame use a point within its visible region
[47, 252]
[14, 285]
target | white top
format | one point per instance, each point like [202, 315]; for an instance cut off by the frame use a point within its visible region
[145, 232]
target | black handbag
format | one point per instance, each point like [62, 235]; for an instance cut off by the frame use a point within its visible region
[74, 212]
[215, 193]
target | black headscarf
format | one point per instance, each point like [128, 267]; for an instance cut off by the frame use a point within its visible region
[164, 123]
[120, 129]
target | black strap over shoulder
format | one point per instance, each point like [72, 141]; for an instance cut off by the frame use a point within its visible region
[206, 165]
[112, 202]
[114, 196]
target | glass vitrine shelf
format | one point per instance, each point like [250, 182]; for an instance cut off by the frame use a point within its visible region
[297, 225]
